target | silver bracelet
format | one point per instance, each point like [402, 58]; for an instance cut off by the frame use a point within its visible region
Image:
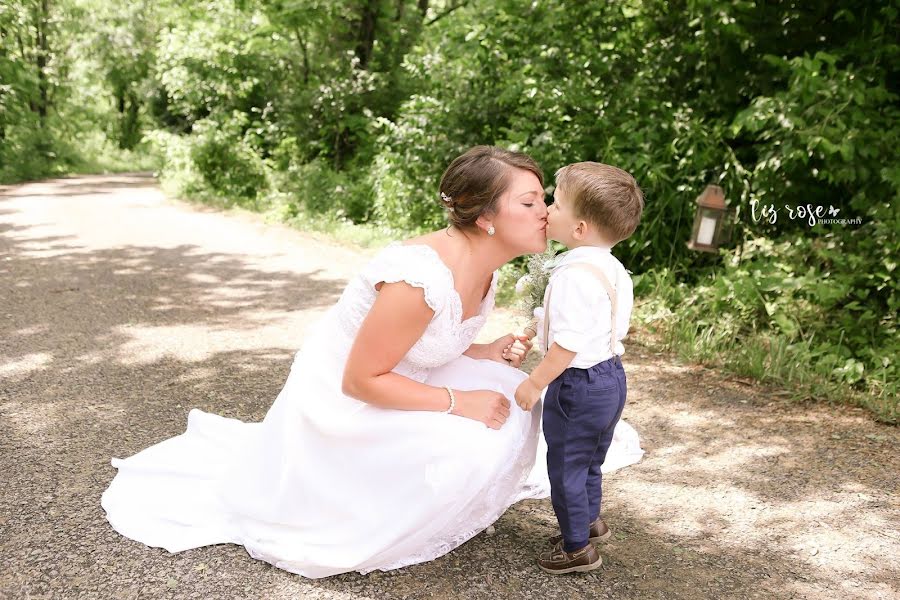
[452, 400]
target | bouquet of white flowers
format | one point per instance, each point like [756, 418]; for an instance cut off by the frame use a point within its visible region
[532, 284]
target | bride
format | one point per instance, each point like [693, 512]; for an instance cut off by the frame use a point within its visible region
[394, 439]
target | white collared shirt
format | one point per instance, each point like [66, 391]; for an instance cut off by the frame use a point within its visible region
[580, 311]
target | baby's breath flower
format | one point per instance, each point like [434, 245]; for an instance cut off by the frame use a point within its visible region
[523, 284]
[531, 286]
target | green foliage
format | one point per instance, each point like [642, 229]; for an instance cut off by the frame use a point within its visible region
[122, 48]
[226, 159]
[804, 313]
[406, 171]
[178, 174]
[334, 113]
[29, 154]
[32, 67]
[737, 94]
[315, 188]
[217, 60]
[591, 94]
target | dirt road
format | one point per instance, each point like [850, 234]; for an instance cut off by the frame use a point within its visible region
[121, 310]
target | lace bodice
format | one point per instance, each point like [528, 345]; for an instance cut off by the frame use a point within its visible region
[447, 336]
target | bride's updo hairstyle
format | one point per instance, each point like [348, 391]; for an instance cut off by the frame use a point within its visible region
[474, 181]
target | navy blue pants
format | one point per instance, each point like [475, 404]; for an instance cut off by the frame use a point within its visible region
[581, 409]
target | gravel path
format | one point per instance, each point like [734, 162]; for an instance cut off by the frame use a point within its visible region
[121, 310]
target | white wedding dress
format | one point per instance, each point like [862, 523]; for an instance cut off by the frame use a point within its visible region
[327, 484]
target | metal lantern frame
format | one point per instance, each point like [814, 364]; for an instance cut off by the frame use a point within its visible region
[712, 221]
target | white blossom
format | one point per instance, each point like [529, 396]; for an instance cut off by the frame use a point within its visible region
[523, 285]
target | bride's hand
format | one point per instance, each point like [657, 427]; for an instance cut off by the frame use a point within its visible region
[491, 408]
[510, 349]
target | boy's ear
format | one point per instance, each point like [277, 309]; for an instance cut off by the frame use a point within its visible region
[581, 230]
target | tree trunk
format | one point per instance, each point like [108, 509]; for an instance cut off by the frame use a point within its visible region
[366, 39]
[337, 150]
[302, 42]
[3, 36]
[43, 51]
[129, 129]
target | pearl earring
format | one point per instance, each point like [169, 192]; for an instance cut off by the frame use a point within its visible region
[491, 230]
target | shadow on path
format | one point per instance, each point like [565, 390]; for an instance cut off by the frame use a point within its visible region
[105, 351]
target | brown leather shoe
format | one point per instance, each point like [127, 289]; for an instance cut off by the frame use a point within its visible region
[599, 533]
[557, 561]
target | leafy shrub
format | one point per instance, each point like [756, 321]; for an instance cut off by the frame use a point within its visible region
[178, 174]
[318, 189]
[228, 164]
[802, 312]
[28, 155]
[406, 172]
[29, 151]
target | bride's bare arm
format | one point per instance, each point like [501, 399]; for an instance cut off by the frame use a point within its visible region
[396, 321]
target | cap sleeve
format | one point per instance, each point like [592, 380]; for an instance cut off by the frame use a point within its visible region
[417, 265]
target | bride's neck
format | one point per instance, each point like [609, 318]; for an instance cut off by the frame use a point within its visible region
[481, 254]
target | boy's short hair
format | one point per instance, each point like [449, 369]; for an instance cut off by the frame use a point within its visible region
[604, 196]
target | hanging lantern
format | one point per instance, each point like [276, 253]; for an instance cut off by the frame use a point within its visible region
[711, 221]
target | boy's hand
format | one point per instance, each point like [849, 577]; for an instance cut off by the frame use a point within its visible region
[515, 354]
[509, 349]
[527, 394]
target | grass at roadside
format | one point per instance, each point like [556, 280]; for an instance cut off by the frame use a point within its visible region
[794, 364]
[94, 154]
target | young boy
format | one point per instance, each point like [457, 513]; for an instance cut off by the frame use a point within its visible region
[587, 306]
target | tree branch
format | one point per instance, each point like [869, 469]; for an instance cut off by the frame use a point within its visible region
[302, 42]
[446, 12]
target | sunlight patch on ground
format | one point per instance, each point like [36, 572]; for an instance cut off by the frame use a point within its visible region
[841, 535]
[136, 270]
[659, 369]
[731, 459]
[146, 344]
[96, 357]
[695, 420]
[844, 525]
[203, 278]
[32, 330]
[25, 365]
[289, 589]
[857, 588]
[676, 508]
[31, 420]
